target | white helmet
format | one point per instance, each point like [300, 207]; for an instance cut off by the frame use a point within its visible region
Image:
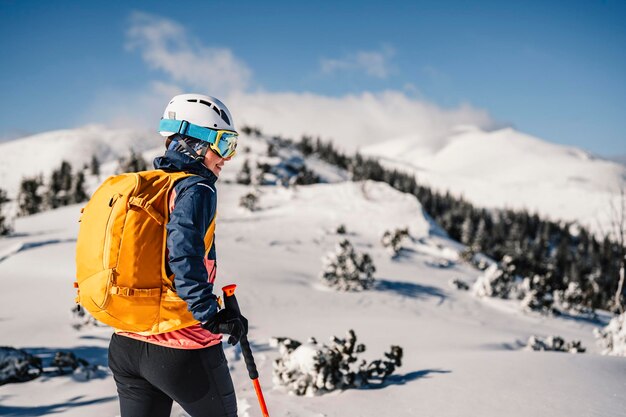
[201, 110]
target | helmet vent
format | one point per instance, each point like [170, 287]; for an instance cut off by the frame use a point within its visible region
[206, 103]
[220, 112]
[225, 117]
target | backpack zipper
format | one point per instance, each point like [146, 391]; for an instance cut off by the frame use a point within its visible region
[107, 233]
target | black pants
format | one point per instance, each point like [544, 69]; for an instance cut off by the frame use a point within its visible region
[149, 377]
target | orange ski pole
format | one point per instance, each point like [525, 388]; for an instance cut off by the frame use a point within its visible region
[231, 302]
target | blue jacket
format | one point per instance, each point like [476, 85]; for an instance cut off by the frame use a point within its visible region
[195, 207]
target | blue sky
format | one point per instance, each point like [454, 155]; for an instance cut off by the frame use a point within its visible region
[552, 69]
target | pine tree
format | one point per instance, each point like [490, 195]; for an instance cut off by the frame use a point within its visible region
[134, 163]
[480, 237]
[5, 228]
[393, 240]
[29, 199]
[346, 270]
[66, 179]
[59, 189]
[78, 192]
[95, 166]
[51, 196]
[244, 176]
[467, 231]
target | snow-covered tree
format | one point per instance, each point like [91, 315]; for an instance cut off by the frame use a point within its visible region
[67, 362]
[612, 338]
[81, 318]
[392, 240]
[245, 175]
[573, 299]
[17, 365]
[618, 226]
[94, 166]
[467, 231]
[459, 284]
[133, 163]
[29, 198]
[5, 228]
[310, 369]
[78, 190]
[59, 187]
[555, 344]
[346, 270]
[498, 280]
[249, 201]
[537, 294]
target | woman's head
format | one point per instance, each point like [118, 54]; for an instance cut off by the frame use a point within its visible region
[198, 150]
[200, 126]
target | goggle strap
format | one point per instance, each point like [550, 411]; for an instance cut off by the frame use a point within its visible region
[185, 128]
[191, 151]
[204, 151]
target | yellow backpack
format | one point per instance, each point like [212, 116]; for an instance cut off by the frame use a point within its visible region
[120, 255]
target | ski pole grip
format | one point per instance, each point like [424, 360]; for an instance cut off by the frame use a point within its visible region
[248, 358]
[230, 302]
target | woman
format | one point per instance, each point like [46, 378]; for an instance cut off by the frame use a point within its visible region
[186, 365]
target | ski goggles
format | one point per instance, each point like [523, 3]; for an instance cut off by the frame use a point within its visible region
[222, 142]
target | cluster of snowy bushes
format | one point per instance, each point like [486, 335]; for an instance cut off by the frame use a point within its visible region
[17, 365]
[310, 369]
[562, 252]
[277, 168]
[535, 293]
[555, 344]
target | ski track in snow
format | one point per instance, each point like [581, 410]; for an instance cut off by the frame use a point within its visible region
[24, 246]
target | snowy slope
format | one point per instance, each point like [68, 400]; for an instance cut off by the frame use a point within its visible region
[506, 168]
[42, 153]
[462, 355]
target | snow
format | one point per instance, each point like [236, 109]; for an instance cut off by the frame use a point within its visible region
[461, 353]
[42, 153]
[507, 168]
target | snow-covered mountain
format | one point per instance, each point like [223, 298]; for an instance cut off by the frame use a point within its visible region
[42, 153]
[507, 168]
[503, 168]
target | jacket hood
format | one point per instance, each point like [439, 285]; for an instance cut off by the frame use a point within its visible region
[174, 161]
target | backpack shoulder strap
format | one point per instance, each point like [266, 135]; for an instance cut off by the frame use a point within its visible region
[185, 183]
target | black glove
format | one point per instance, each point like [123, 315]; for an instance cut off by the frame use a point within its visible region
[229, 322]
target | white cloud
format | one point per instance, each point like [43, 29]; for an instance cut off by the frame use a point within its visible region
[141, 108]
[165, 45]
[352, 120]
[374, 63]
